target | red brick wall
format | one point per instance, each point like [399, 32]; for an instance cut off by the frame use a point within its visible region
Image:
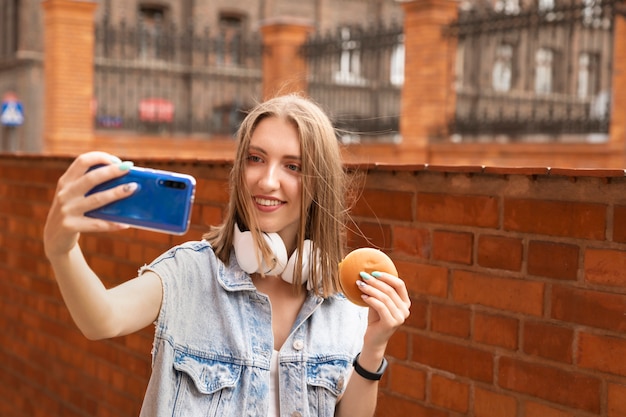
[517, 278]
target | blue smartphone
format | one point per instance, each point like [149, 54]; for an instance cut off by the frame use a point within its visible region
[162, 201]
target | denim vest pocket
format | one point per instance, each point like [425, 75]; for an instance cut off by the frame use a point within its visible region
[326, 380]
[204, 384]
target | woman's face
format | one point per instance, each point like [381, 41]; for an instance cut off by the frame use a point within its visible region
[273, 175]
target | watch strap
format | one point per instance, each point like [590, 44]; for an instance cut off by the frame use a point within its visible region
[372, 376]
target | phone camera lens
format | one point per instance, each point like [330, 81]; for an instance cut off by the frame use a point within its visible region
[173, 184]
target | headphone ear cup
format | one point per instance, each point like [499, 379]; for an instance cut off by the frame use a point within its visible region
[289, 272]
[277, 247]
[244, 250]
[247, 258]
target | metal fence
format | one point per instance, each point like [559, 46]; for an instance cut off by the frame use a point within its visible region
[543, 69]
[356, 73]
[167, 79]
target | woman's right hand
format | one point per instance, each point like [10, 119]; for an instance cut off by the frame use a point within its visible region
[66, 218]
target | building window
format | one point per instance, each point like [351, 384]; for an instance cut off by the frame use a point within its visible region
[349, 71]
[151, 32]
[229, 46]
[502, 73]
[396, 68]
[545, 5]
[544, 61]
[9, 18]
[591, 12]
[587, 75]
[507, 6]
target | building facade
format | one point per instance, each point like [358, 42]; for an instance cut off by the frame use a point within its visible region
[22, 43]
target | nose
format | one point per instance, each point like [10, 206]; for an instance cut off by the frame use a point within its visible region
[270, 179]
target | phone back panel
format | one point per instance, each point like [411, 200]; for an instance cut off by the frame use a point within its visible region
[161, 202]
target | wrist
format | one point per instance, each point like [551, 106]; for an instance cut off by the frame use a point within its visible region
[368, 371]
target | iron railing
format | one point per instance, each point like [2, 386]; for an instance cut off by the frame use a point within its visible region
[356, 73]
[545, 69]
[167, 79]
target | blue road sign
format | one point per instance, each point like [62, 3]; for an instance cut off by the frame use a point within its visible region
[11, 113]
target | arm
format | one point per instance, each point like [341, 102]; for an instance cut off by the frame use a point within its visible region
[389, 305]
[98, 312]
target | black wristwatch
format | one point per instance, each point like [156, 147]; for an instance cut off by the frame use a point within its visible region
[372, 376]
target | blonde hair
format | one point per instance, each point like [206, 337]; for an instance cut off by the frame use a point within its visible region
[323, 185]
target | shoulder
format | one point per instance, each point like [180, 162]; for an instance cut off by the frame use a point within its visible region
[187, 255]
[180, 263]
[187, 249]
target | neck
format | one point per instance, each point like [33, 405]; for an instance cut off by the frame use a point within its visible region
[272, 284]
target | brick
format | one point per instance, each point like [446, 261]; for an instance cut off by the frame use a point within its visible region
[371, 235]
[602, 353]
[605, 267]
[467, 210]
[398, 345]
[155, 238]
[450, 320]
[567, 388]
[451, 357]
[422, 31]
[553, 260]
[616, 401]
[555, 218]
[496, 330]
[492, 404]
[449, 393]
[423, 278]
[500, 252]
[211, 191]
[69, 83]
[590, 308]
[619, 224]
[385, 204]
[412, 241]
[453, 247]
[418, 318]
[517, 295]
[548, 341]
[407, 381]
[393, 406]
[533, 409]
[209, 215]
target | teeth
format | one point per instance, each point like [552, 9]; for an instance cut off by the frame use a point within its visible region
[265, 202]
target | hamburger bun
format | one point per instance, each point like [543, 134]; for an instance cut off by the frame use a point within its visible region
[362, 259]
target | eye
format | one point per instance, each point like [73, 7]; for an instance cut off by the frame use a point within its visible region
[294, 167]
[254, 159]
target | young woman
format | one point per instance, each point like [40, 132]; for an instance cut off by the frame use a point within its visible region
[250, 320]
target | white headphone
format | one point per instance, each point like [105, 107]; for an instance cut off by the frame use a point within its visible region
[244, 246]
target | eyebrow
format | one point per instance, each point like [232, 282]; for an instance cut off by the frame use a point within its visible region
[261, 150]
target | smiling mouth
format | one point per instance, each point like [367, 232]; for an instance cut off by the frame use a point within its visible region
[267, 203]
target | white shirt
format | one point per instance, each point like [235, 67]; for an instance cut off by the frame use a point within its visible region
[274, 410]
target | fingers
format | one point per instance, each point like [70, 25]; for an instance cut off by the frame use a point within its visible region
[388, 295]
[83, 177]
[70, 202]
[85, 161]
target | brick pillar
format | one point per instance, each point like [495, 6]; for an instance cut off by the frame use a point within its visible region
[68, 75]
[284, 70]
[428, 96]
[617, 127]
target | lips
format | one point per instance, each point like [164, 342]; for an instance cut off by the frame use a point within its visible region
[268, 203]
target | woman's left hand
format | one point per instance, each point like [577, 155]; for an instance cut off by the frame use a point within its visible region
[389, 303]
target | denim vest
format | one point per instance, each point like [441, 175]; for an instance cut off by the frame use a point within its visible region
[213, 344]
